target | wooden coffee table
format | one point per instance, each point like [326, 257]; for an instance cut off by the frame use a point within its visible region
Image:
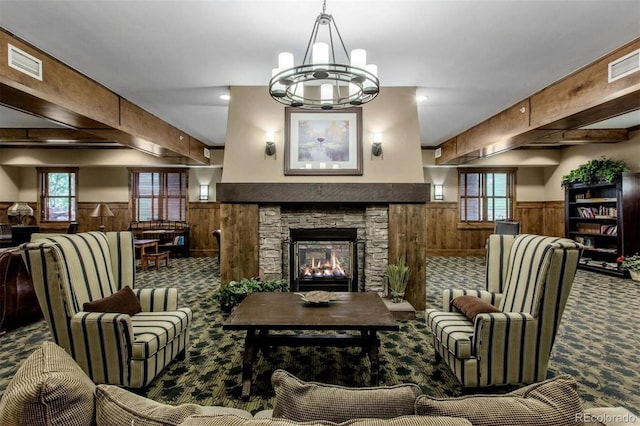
[260, 313]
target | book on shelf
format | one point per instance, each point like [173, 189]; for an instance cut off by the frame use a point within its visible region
[601, 212]
[609, 229]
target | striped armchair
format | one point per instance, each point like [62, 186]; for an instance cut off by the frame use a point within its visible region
[528, 278]
[70, 269]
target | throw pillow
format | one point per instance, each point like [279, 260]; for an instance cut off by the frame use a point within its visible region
[471, 306]
[230, 420]
[116, 406]
[123, 301]
[553, 402]
[302, 401]
[49, 388]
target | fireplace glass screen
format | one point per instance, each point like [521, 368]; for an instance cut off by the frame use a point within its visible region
[324, 259]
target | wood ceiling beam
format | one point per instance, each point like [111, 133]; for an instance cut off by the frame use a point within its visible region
[584, 136]
[47, 135]
[582, 98]
[65, 96]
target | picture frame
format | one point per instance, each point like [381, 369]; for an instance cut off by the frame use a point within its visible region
[323, 143]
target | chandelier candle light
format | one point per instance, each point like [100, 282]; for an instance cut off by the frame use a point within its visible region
[344, 84]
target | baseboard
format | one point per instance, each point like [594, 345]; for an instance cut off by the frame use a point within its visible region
[456, 252]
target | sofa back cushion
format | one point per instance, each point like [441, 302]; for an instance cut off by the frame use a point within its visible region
[529, 264]
[231, 420]
[49, 388]
[306, 401]
[84, 266]
[553, 402]
[497, 261]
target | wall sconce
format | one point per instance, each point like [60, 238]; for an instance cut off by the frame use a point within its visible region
[270, 148]
[376, 146]
[204, 192]
[437, 192]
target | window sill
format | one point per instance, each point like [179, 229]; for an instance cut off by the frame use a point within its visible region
[476, 225]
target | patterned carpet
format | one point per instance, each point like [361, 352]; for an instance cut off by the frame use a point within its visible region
[597, 343]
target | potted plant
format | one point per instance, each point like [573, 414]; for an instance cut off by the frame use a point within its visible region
[232, 293]
[397, 279]
[594, 171]
[631, 264]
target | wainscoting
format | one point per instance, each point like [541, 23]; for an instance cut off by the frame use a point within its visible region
[444, 238]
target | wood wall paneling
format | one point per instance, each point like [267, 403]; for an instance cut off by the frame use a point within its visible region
[204, 218]
[407, 237]
[239, 241]
[445, 238]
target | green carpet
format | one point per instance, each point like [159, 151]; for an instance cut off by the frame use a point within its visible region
[599, 324]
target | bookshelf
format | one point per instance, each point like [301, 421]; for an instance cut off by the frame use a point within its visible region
[604, 218]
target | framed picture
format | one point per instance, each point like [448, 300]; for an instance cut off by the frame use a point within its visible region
[323, 142]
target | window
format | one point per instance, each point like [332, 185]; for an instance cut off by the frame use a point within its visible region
[58, 194]
[486, 195]
[159, 194]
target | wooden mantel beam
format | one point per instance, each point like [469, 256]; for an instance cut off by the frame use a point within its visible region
[70, 98]
[580, 99]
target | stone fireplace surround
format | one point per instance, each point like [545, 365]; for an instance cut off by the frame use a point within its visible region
[370, 221]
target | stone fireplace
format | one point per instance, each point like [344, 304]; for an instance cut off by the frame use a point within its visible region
[260, 221]
[369, 224]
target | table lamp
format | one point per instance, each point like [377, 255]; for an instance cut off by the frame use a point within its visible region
[102, 210]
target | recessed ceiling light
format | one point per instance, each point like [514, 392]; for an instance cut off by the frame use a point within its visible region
[225, 97]
[421, 98]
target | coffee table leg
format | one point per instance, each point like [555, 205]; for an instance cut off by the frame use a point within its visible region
[374, 358]
[247, 363]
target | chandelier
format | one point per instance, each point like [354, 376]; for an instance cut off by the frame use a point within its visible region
[321, 81]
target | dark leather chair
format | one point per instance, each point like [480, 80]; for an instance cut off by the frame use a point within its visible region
[22, 233]
[5, 235]
[505, 227]
[216, 234]
[18, 300]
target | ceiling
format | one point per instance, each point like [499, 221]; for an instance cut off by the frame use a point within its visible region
[471, 59]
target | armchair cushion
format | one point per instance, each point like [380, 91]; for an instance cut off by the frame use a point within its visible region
[123, 301]
[471, 306]
[302, 401]
[49, 388]
[453, 330]
[153, 330]
[553, 402]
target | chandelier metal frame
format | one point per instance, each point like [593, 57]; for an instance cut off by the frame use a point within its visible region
[352, 86]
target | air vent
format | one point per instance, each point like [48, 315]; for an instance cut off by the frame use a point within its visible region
[23, 62]
[624, 66]
[438, 153]
[207, 153]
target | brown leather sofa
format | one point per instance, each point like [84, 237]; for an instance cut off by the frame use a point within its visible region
[18, 301]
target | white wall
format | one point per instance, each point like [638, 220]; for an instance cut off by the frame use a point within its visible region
[540, 171]
[252, 112]
[96, 184]
[572, 157]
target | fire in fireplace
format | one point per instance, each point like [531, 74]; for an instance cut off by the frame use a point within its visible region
[324, 259]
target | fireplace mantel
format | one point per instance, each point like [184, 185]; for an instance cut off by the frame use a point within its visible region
[273, 193]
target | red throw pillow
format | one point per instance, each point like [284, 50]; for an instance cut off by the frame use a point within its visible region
[471, 306]
[122, 302]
